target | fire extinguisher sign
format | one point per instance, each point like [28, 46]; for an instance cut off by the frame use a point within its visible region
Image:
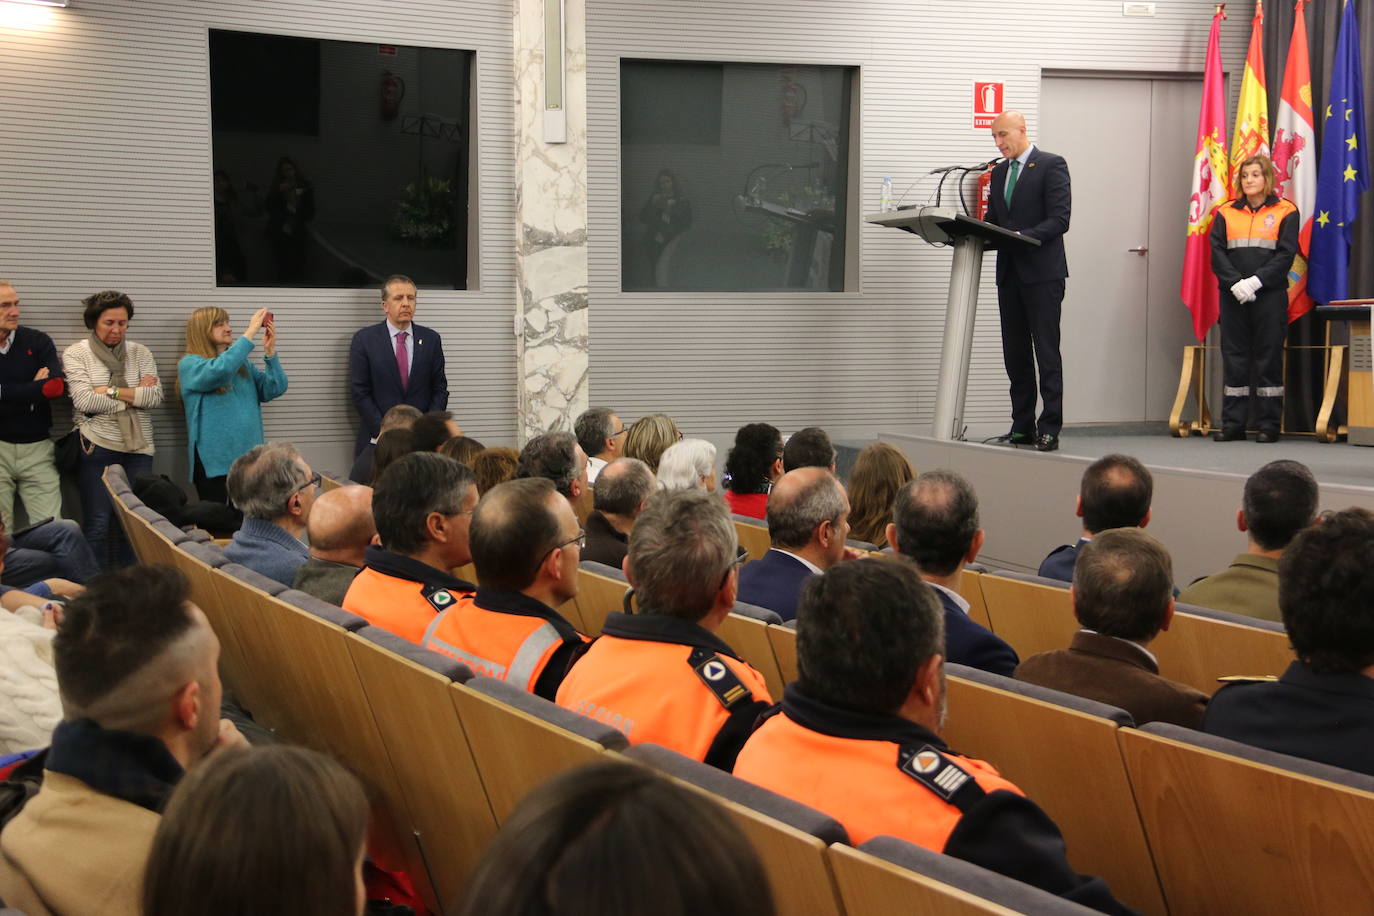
[987, 103]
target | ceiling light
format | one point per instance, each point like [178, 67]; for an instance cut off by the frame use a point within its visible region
[41, 2]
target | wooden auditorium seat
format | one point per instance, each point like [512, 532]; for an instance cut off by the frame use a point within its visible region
[1035, 615]
[407, 688]
[790, 837]
[520, 740]
[971, 590]
[783, 640]
[1236, 829]
[1060, 750]
[311, 694]
[745, 629]
[600, 590]
[752, 534]
[891, 877]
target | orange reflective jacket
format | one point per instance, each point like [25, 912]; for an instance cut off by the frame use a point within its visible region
[866, 784]
[669, 682]
[508, 636]
[402, 595]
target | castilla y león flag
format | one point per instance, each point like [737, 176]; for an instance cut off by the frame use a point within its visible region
[1295, 156]
[1211, 187]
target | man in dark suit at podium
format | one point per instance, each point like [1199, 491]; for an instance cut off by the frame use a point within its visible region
[395, 362]
[1030, 194]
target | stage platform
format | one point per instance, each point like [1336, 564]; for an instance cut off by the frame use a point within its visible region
[1027, 497]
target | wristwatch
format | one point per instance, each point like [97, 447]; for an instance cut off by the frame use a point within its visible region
[112, 392]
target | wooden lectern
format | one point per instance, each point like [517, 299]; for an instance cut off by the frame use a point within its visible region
[968, 237]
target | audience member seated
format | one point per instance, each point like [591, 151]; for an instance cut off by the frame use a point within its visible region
[752, 466]
[1115, 493]
[1322, 708]
[808, 521]
[274, 489]
[557, 457]
[341, 529]
[422, 507]
[689, 463]
[808, 448]
[858, 736]
[602, 436]
[618, 496]
[29, 705]
[399, 417]
[49, 560]
[526, 545]
[494, 465]
[264, 830]
[137, 667]
[649, 437]
[462, 449]
[433, 429]
[935, 523]
[1280, 500]
[662, 675]
[879, 472]
[674, 853]
[1122, 595]
[392, 446]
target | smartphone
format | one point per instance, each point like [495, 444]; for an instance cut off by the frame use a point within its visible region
[269, 319]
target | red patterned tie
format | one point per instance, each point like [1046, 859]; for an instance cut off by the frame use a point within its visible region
[402, 359]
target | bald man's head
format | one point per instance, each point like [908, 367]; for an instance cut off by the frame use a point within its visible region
[1009, 133]
[341, 525]
[801, 500]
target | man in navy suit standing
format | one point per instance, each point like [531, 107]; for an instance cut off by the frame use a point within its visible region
[395, 362]
[935, 524]
[1030, 195]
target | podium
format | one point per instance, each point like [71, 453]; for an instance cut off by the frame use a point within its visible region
[968, 237]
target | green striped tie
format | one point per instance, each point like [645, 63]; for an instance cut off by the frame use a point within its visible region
[1011, 179]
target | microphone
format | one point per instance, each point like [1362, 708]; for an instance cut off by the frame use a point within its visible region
[947, 168]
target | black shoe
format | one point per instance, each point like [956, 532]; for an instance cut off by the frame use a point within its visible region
[1047, 443]
[1228, 435]
[1267, 435]
[1016, 438]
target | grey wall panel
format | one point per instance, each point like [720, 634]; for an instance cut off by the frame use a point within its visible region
[863, 361]
[105, 171]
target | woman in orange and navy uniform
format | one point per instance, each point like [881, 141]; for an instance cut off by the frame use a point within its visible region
[1254, 241]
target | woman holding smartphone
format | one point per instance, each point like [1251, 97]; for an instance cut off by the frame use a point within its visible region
[223, 393]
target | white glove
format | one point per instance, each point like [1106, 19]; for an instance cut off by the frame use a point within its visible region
[1244, 290]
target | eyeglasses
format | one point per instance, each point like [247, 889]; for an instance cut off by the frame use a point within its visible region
[619, 432]
[580, 539]
[314, 481]
[741, 557]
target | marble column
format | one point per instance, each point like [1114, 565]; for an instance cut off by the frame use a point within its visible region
[551, 216]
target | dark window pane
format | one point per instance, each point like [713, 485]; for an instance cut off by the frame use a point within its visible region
[733, 176]
[338, 163]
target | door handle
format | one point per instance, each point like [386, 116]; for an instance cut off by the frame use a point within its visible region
[1142, 250]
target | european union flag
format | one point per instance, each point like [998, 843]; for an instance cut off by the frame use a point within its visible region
[1344, 169]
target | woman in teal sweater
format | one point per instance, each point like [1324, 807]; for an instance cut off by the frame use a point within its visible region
[223, 391]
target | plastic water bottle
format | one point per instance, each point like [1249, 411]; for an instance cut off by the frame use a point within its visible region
[885, 200]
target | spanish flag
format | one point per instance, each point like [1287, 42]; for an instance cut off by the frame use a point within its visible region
[1252, 112]
[1211, 187]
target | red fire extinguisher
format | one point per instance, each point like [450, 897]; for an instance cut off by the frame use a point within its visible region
[984, 184]
[393, 90]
